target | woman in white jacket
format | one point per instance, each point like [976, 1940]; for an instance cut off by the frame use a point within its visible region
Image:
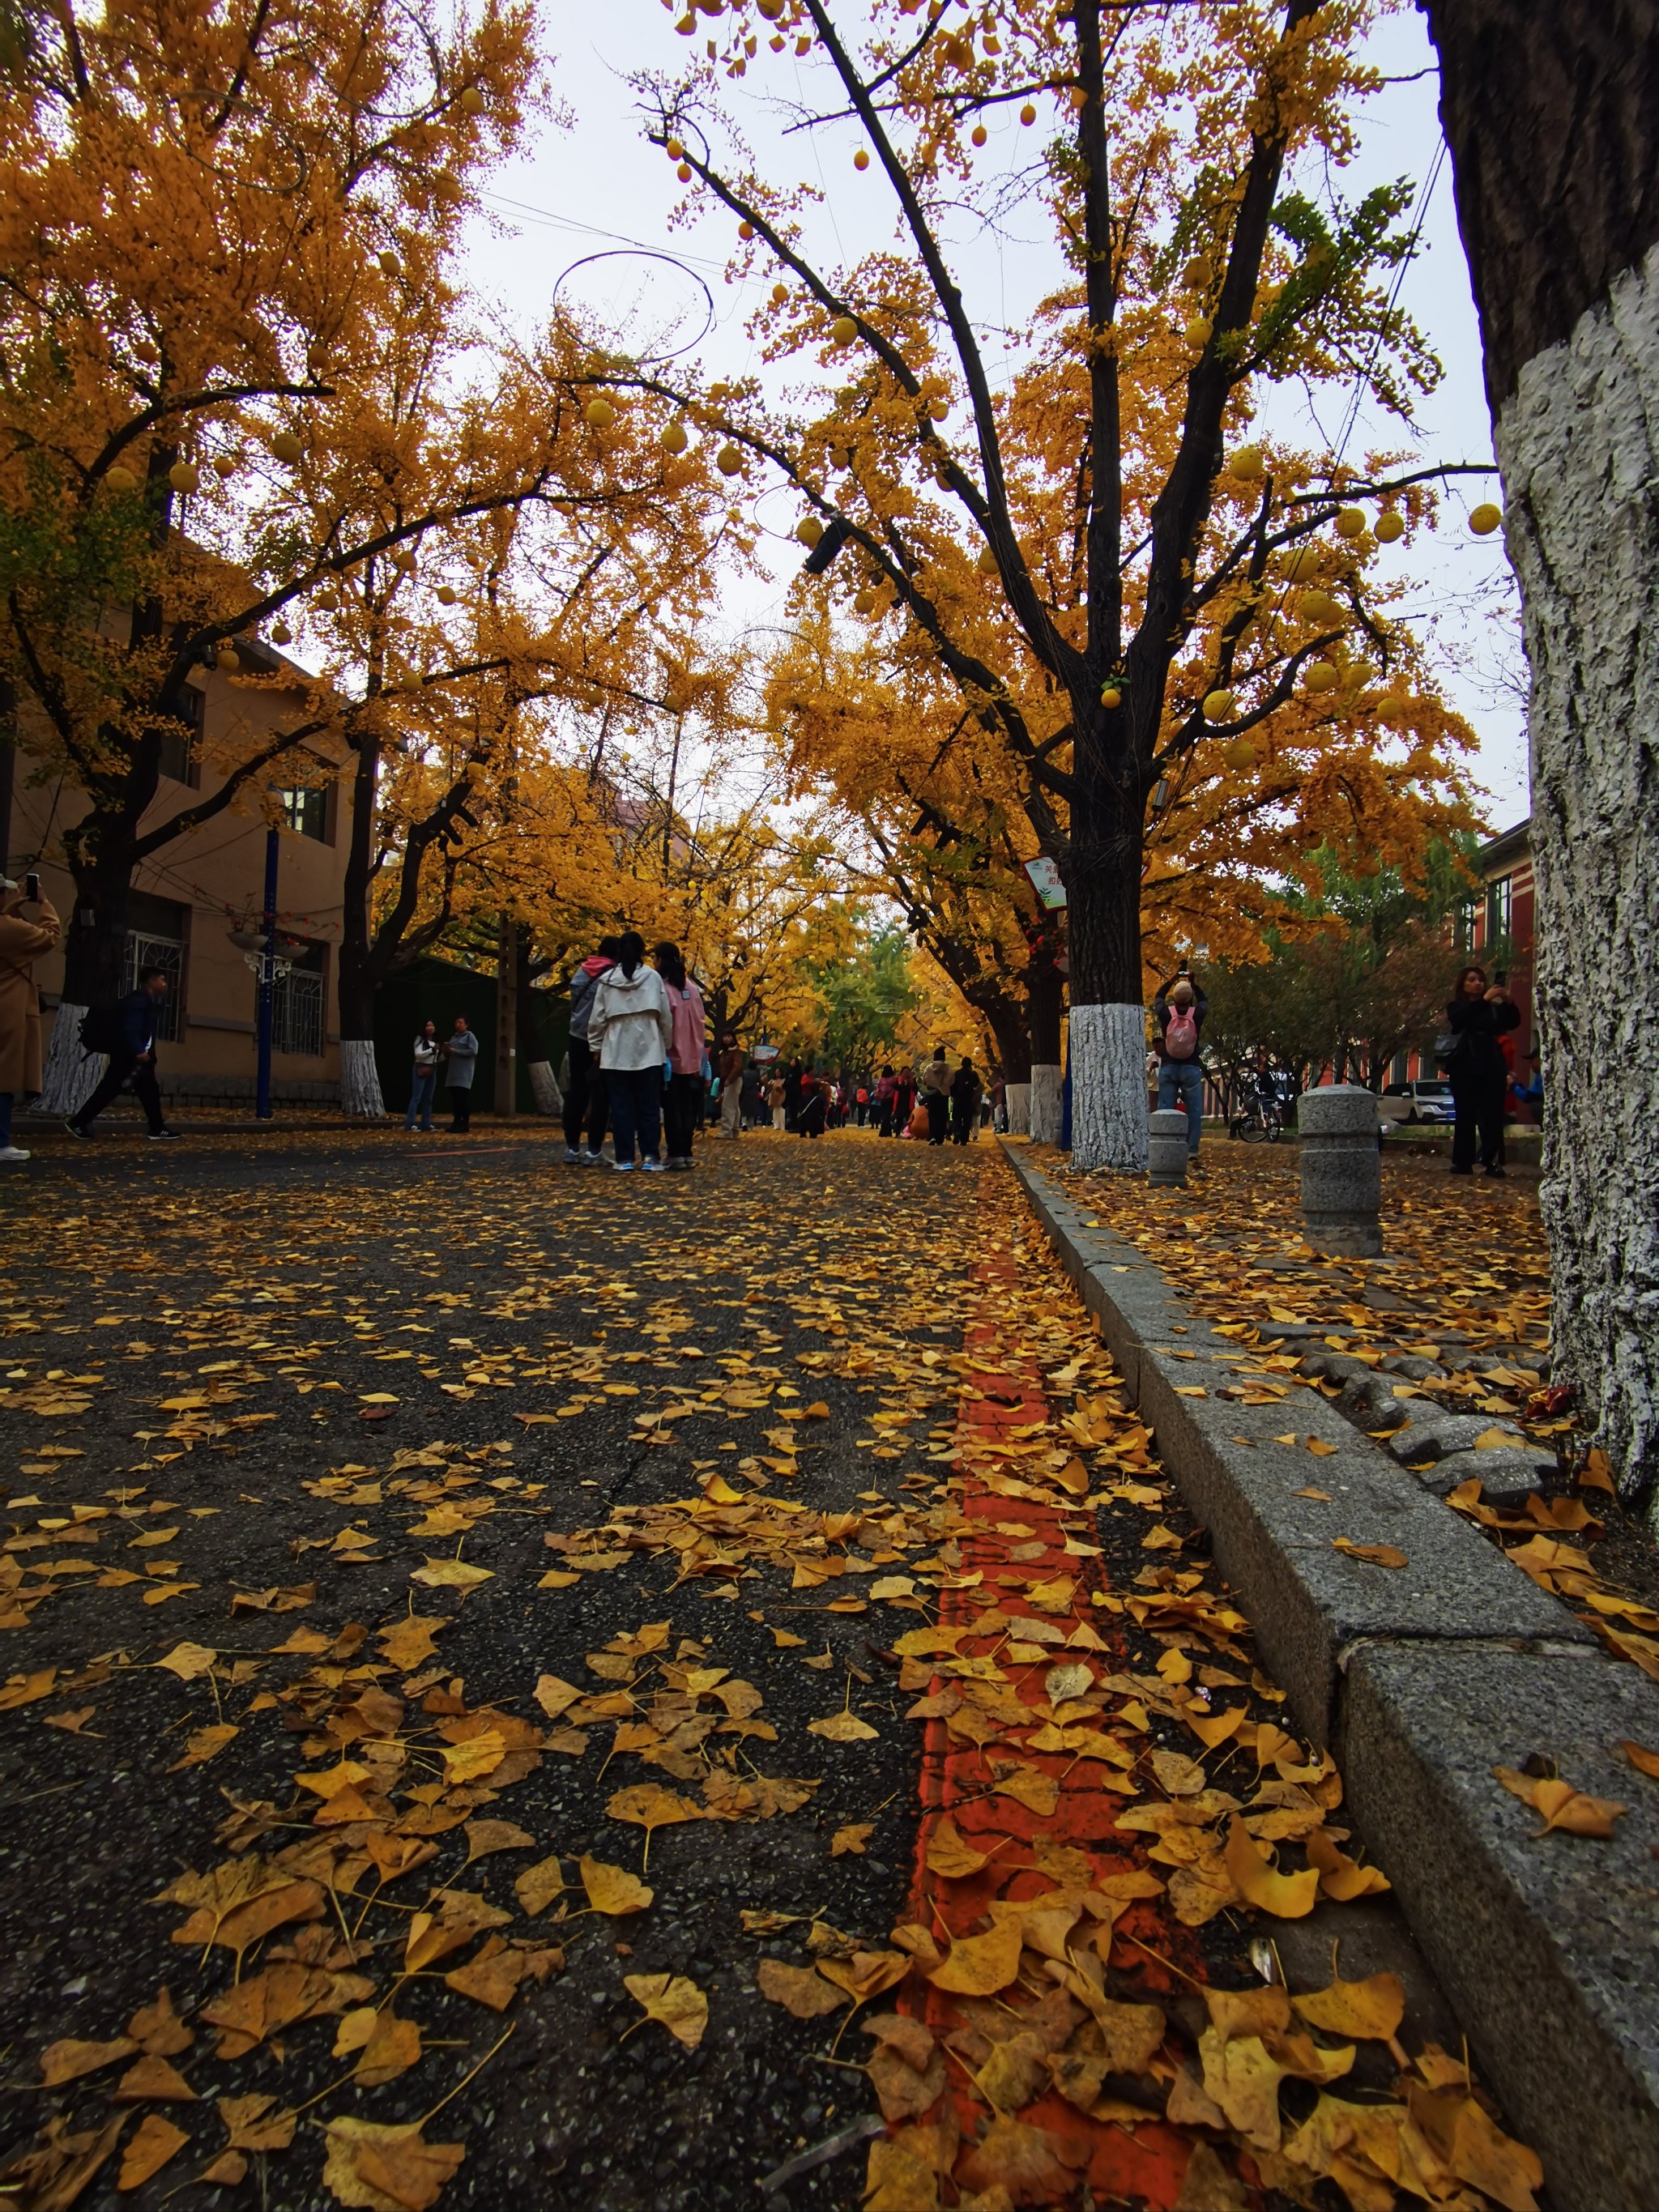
[631, 1026]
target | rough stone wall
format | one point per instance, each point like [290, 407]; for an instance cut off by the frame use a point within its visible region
[1578, 446]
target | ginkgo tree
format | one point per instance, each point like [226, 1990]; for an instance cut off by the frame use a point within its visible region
[1112, 569]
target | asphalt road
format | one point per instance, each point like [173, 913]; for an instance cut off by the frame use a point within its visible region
[234, 1305]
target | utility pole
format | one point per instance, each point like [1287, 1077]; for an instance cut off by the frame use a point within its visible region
[507, 1016]
[267, 978]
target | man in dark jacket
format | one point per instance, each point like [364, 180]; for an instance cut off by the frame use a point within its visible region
[584, 1096]
[1179, 1010]
[1480, 1015]
[133, 1058]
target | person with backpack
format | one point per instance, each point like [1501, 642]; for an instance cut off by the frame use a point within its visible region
[460, 1066]
[423, 1076]
[130, 1030]
[584, 1096]
[1179, 1010]
[630, 1025]
[687, 1051]
[22, 939]
[964, 1102]
[1472, 1052]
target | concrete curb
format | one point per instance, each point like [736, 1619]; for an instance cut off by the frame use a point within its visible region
[1422, 1679]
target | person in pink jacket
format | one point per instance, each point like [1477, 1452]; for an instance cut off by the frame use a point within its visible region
[682, 1107]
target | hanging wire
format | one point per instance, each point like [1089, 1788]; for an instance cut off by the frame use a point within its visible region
[646, 253]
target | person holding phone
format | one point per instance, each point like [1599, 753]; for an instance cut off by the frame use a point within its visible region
[1477, 1018]
[28, 926]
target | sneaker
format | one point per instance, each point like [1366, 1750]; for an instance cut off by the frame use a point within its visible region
[656, 1167]
[76, 1130]
[573, 1153]
[1491, 1171]
[164, 1136]
[590, 1160]
[623, 1167]
[12, 1152]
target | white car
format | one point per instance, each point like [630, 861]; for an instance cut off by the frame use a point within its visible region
[1429, 1099]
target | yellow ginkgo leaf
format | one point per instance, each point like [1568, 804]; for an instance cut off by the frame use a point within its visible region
[612, 1889]
[948, 1855]
[1339, 1876]
[979, 1965]
[843, 1728]
[798, 1989]
[679, 2004]
[1371, 2010]
[1286, 1896]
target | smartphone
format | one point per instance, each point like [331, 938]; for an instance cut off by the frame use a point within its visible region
[31, 887]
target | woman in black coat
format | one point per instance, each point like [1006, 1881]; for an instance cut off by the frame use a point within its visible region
[1477, 1070]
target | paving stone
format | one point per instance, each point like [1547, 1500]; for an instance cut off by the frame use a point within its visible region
[1440, 1434]
[1368, 1400]
[1412, 1367]
[1508, 1477]
[1547, 1945]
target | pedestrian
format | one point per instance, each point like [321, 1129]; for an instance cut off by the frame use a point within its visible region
[754, 1110]
[813, 1110]
[584, 1096]
[733, 1065]
[1179, 1010]
[1472, 1055]
[460, 1065]
[904, 1101]
[861, 1103]
[23, 936]
[936, 1096]
[687, 1051]
[792, 1087]
[777, 1098]
[630, 1025]
[964, 1102]
[424, 1079]
[132, 1059]
[886, 1091]
[999, 1104]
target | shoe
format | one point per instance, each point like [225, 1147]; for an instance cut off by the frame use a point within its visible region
[573, 1154]
[164, 1136]
[656, 1167]
[13, 1152]
[591, 1159]
[623, 1167]
[684, 1165]
[76, 1130]
[1462, 1170]
[1491, 1171]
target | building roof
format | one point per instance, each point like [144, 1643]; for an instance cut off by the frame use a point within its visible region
[1505, 849]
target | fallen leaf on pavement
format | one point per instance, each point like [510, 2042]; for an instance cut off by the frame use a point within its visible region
[1371, 2009]
[1644, 1761]
[979, 1965]
[1286, 1896]
[1379, 1555]
[537, 1886]
[1339, 1876]
[156, 2078]
[203, 1744]
[254, 2124]
[799, 1989]
[867, 1974]
[679, 2004]
[1562, 1805]
[373, 2168]
[67, 2060]
[612, 1889]
[843, 1728]
[852, 1839]
[156, 2141]
[948, 1854]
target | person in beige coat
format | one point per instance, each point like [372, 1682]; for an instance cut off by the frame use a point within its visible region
[27, 927]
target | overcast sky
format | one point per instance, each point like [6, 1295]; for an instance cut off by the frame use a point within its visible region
[595, 188]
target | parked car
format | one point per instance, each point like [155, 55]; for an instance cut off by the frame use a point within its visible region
[1429, 1099]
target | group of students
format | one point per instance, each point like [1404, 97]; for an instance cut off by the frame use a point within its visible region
[940, 1102]
[639, 1057]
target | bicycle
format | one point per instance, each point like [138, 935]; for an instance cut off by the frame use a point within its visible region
[1262, 1122]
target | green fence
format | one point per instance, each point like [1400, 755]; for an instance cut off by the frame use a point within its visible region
[436, 991]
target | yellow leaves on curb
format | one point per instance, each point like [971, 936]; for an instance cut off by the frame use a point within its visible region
[1368, 2011]
[372, 2168]
[679, 2004]
[1378, 1555]
[1286, 1896]
[979, 1965]
[1644, 1761]
[950, 1854]
[611, 1889]
[1562, 1805]
[1339, 1876]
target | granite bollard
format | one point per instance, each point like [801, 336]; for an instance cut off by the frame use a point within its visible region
[1166, 1147]
[1341, 1171]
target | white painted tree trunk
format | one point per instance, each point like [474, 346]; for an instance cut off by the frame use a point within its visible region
[359, 1080]
[1109, 1087]
[544, 1088]
[1579, 445]
[1020, 1109]
[1045, 1113]
[70, 1074]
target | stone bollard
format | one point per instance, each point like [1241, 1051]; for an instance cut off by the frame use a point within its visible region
[1341, 1171]
[1166, 1147]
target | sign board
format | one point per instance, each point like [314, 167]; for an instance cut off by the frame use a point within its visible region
[1045, 881]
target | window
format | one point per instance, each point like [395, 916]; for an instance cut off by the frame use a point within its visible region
[181, 741]
[1499, 896]
[305, 813]
[296, 1004]
[167, 953]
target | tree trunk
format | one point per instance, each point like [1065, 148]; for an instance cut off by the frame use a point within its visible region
[1108, 1019]
[1549, 114]
[94, 972]
[546, 1097]
[1011, 1029]
[360, 1079]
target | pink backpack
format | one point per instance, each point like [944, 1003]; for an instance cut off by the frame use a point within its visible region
[1181, 1038]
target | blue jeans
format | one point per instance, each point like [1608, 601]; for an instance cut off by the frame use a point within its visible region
[1180, 1083]
[420, 1098]
[635, 1097]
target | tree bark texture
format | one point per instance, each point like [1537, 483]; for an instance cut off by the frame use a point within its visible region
[1550, 118]
[1020, 1109]
[359, 1080]
[1109, 1107]
[1107, 1039]
[69, 1073]
[1046, 1111]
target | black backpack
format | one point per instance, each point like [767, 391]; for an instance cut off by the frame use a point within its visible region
[100, 1029]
